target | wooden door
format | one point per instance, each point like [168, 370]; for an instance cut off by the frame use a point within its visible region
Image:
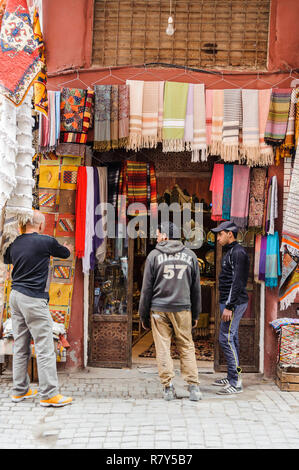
[249, 330]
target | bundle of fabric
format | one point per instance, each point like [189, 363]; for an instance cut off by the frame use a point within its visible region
[232, 115]
[17, 159]
[40, 84]
[279, 322]
[287, 149]
[227, 190]
[251, 145]
[199, 145]
[150, 109]
[49, 126]
[20, 56]
[272, 270]
[216, 186]
[76, 115]
[135, 114]
[266, 151]
[277, 121]
[257, 197]
[240, 195]
[217, 122]
[174, 114]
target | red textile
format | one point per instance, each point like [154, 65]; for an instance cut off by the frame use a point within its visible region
[80, 211]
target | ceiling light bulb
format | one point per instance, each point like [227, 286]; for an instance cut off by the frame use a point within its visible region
[170, 29]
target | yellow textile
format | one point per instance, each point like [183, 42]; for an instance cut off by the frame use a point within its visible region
[68, 177]
[49, 176]
[71, 161]
[60, 294]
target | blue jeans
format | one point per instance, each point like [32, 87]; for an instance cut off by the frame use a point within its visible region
[229, 342]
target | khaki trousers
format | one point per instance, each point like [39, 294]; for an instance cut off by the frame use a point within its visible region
[177, 324]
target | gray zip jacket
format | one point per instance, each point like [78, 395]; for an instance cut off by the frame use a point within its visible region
[171, 281]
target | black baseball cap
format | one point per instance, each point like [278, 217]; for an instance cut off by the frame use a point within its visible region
[226, 225]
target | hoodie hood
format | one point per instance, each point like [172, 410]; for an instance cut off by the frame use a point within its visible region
[170, 246]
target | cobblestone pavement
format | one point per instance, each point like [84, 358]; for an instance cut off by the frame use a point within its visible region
[123, 409]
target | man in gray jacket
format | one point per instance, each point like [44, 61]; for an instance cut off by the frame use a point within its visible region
[170, 303]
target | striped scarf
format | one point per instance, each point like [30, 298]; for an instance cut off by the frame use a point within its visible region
[217, 122]
[278, 116]
[123, 115]
[174, 113]
[160, 110]
[199, 146]
[150, 110]
[231, 125]
[135, 120]
[266, 151]
[287, 149]
[251, 146]
[209, 109]
[102, 113]
[188, 132]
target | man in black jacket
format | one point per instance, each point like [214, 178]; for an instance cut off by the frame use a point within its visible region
[233, 300]
[30, 256]
[170, 302]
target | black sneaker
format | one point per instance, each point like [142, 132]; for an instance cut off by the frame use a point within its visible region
[220, 382]
[195, 393]
[169, 393]
[230, 390]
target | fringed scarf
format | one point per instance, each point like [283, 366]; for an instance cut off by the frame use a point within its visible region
[89, 221]
[217, 122]
[251, 145]
[240, 195]
[257, 253]
[278, 116]
[150, 109]
[287, 149]
[262, 266]
[160, 110]
[174, 113]
[135, 121]
[266, 151]
[114, 116]
[102, 114]
[199, 146]
[272, 261]
[100, 228]
[189, 126]
[231, 124]
[123, 115]
[227, 190]
[216, 186]
[80, 211]
[209, 111]
[257, 197]
[76, 114]
[272, 209]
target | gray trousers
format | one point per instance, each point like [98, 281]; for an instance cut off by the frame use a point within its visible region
[31, 318]
[229, 342]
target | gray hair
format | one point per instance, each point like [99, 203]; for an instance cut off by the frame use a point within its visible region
[38, 218]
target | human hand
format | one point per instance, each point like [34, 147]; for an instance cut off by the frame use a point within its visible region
[194, 323]
[145, 327]
[69, 246]
[227, 315]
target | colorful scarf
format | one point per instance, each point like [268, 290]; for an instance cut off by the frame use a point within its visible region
[240, 195]
[188, 131]
[227, 190]
[20, 54]
[262, 266]
[153, 193]
[297, 118]
[216, 186]
[174, 113]
[81, 211]
[150, 108]
[102, 113]
[257, 253]
[289, 285]
[287, 149]
[114, 116]
[251, 146]
[135, 120]
[89, 221]
[266, 151]
[272, 210]
[113, 180]
[136, 187]
[199, 146]
[209, 111]
[217, 122]
[272, 261]
[75, 111]
[231, 125]
[40, 84]
[123, 115]
[257, 197]
[100, 228]
[160, 110]
[278, 116]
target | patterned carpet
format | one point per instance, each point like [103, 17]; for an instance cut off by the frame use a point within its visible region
[204, 350]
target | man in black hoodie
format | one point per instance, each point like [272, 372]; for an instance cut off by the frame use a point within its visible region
[233, 300]
[170, 302]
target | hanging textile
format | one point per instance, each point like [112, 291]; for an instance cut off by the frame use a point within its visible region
[257, 253]
[75, 111]
[263, 250]
[89, 221]
[250, 148]
[20, 56]
[102, 114]
[199, 146]
[272, 212]
[150, 109]
[217, 122]
[266, 151]
[289, 285]
[231, 124]
[40, 84]
[209, 111]
[272, 261]
[135, 116]
[113, 181]
[160, 110]
[256, 197]
[123, 115]
[2, 10]
[153, 192]
[136, 186]
[81, 195]
[174, 113]
[189, 125]
[297, 118]
[240, 195]
[227, 190]
[216, 186]
[101, 241]
[288, 147]
[114, 117]
[278, 116]
[96, 195]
